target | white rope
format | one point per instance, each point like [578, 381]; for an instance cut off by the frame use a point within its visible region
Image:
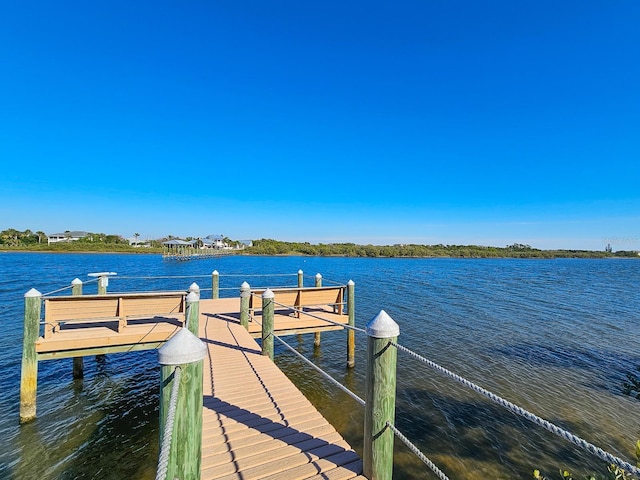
[418, 453]
[611, 459]
[323, 373]
[165, 446]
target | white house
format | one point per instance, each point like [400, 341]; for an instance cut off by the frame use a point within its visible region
[65, 237]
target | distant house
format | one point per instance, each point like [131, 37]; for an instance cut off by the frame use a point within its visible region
[136, 242]
[214, 241]
[65, 237]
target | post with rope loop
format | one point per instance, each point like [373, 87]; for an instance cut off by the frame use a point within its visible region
[29, 374]
[245, 296]
[300, 278]
[192, 310]
[267, 323]
[181, 420]
[316, 335]
[215, 284]
[78, 362]
[351, 334]
[380, 397]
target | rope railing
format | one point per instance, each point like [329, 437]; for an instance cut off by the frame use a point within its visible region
[597, 451]
[322, 372]
[434, 468]
[165, 446]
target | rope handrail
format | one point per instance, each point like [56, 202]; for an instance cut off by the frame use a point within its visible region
[355, 397]
[418, 453]
[593, 449]
[165, 446]
[322, 372]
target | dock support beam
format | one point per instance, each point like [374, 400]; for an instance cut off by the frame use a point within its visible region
[192, 311]
[267, 323]
[29, 375]
[215, 285]
[380, 397]
[351, 334]
[245, 295]
[78, 362]
[300, 278]
[316, 336]
[181, 358]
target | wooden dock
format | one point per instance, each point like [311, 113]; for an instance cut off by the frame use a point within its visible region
[256, 423]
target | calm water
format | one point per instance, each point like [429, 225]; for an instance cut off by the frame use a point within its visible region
[558, 337]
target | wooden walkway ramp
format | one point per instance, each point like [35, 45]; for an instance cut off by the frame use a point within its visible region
[256, 423]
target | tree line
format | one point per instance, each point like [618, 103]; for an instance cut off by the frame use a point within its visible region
[12, 239]
[517, 250]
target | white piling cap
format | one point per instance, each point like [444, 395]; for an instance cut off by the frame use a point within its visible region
[76, 281]
[268, 294]
[318, 275]
[300, 272]
[194, 287]
[351, 282]
[382, 326]
[245, 286]
[33, 293]
[184, 347]
[215, 272]
[192, 297]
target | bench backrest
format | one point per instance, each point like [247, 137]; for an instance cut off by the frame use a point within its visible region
[300, 297]
[81, 307]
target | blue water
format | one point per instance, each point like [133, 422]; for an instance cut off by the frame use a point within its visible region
[558, 337]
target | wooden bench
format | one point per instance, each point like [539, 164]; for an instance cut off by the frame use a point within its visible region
[111, 308]
[299, 298]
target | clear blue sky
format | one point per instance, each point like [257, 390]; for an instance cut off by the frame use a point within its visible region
[455, 122]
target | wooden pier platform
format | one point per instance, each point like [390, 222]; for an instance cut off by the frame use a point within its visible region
[256, 423]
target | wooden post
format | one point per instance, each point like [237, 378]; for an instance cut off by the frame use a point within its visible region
[351, 334]
[267, 323]
[215, 285]
[78, 362]
[316, 335]
[380, 397]
[245, 295]
[192, 313]
[186, 352]
[300, 279]
[103, 283]
[29, 375]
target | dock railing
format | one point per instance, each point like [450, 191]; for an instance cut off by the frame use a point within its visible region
[379, 403]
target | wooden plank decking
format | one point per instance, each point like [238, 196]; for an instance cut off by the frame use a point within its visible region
[256, 423]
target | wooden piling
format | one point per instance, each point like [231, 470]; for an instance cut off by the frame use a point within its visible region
[351, 334]
[78, 362]
[245, 296]
[192, 312]
[380, 397]
[267, 323]
[184, 351]
[103, 282]
[215, 284]
[29, 374]
[300, 279]
[316, 335]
